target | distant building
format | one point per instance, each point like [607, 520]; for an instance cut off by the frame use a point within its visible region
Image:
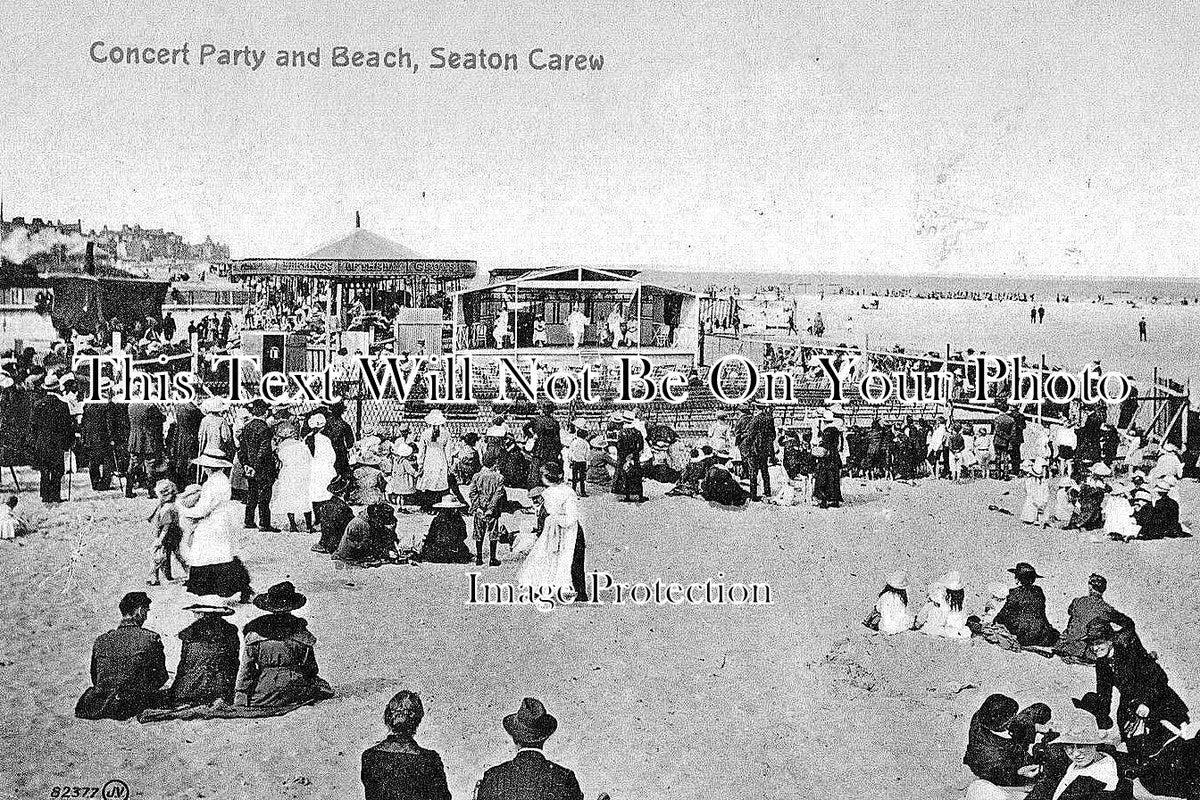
[130, 242]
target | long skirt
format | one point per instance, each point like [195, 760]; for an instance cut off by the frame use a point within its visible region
[224, 580]
[827, 482]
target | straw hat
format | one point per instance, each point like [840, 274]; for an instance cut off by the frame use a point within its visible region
[599, 442]
[435, 417]
[1082, 733]
[211, 604]
[827, 415]
[952, 580]
[898, 580]
[206, 460]
[50, 383]
[628, 416]
[1101, 469]
[316, 422]
[402, 449]
[448, 501]
[212, 405]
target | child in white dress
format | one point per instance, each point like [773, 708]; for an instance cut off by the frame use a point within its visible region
[1037, 495]
[10, 524]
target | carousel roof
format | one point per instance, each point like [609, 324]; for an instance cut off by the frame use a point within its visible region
[363, 245]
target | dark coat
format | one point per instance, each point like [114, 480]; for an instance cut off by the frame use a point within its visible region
[334, 516]
[529, 776]
[98, 427]
[146, 429]
[208, 662]
[759, 441]
[279, 663]
[128, 670]
[1024, 614]
[16, 407]
[51, 429]
[446, 541]
[547, 445]
[254, 450]
[185, 444]
[342, 438]
[993, 757]
[719, 486]
[389, 772]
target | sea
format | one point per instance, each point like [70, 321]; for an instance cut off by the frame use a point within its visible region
[1046, 287]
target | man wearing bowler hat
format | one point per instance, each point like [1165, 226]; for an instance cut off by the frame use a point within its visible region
[530, 775]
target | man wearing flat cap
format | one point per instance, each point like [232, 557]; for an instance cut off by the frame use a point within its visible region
[530, 775]
[128, 668]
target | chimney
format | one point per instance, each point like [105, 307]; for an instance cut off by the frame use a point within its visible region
[357, 220]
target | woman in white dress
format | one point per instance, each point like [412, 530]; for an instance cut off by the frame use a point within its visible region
[290, 494]
[212, 566]
[547, 568]
[433, 480]
[323, 469]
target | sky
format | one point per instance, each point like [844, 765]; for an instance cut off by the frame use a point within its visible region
[924, 137]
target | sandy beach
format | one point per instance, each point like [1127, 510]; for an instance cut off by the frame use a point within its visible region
[796, 699]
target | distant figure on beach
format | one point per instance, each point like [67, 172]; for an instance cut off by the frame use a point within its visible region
[1033, 316]
[1041, 315]
[1142, 329]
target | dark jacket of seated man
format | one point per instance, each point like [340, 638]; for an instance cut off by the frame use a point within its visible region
[530, 775]
[128, 666]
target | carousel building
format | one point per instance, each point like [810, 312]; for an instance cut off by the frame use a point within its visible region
[356, 274]
[576, 313]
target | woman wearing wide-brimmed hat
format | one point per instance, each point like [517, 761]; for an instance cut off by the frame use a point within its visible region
[827, 473]
[1024, 611]
[446, 541]
[213, 566]
[209, 656]
[279, 663]
[434, 466]
[1082, 771]
[334, 516]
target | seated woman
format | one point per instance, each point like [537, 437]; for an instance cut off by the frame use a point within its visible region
[693, 474]
[279, 663]
[891, 614]
[208, 659]
[370, 538]
[446, 542]
[719, 485]
[992, 752]
[1024, 611]
[1080, 771]
[938, 617]
[398, 768]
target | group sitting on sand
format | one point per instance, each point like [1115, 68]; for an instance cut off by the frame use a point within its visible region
[1150, 736]
[272, 670]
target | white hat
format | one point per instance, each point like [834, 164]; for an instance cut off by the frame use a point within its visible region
[211, 604]
[402, 449]
[898, 580]
[827, 415]
[448, 501]
[952, 580]
[206, 460]
[212, 405]
[435, 417]
[316, 421]
[1101, 469]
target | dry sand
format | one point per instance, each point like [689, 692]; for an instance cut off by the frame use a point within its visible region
[794, 700]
